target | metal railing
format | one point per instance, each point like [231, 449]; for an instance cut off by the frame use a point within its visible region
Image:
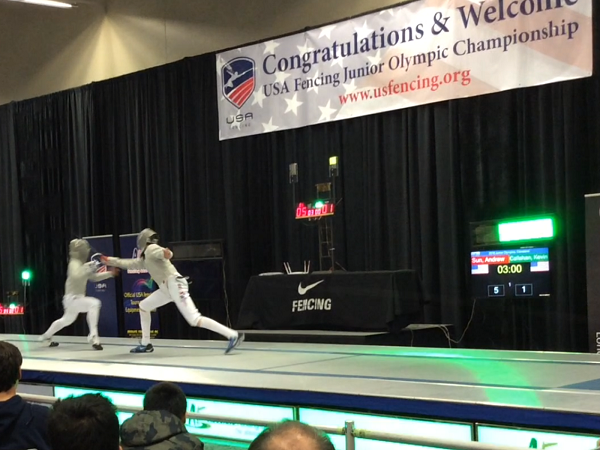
[350, 433]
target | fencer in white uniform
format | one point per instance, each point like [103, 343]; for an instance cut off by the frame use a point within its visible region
[79, 272]
[172, 287]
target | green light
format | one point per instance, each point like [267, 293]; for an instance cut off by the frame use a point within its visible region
[526, 230]
[533, 438]
[371, 422]
[26, 275]
[319, 204]
[12, 305]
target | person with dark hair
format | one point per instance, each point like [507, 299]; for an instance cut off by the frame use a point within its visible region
[22, 425]
[88, 422]
[166, 396]
[160, 426]
[291, 434]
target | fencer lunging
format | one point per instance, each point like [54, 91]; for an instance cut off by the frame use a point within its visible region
[75, 301]
[172, 287]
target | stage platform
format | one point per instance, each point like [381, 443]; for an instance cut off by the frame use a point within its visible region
[528, 389]
[417, 335]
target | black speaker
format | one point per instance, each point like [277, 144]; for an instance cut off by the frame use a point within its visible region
[197, 250]
[201, 262]
[205, 277]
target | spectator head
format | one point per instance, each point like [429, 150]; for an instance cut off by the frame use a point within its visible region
[10, 367]
[290, 435]
[166, 396]
[88, 422]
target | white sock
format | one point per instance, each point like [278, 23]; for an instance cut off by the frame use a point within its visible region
[92, 317]
[56, 326]
[146, 322]
[215, 326]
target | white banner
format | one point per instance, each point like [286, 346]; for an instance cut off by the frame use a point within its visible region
[423, 52]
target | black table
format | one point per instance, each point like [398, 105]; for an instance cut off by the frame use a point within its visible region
[345, 301]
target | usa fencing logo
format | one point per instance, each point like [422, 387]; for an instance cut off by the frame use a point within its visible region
[239, 80]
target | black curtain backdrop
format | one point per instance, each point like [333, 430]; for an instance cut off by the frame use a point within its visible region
[144, 150]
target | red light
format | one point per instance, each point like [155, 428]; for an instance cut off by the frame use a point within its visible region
[305, 212]
[16, 311]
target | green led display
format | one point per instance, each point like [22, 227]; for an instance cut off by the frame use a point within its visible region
[339, 442]
[526, 230]
[516, 437]
[412, 427]
[231, 430]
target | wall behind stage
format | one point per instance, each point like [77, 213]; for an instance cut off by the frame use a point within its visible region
[143, 150]
[45, 50]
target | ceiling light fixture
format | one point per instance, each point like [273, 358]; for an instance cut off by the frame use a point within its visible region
[52, 3]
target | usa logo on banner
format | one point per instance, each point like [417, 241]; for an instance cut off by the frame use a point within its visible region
[239, 80]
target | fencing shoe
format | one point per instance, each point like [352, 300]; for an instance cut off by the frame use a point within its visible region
[234, 342]
[142, 349]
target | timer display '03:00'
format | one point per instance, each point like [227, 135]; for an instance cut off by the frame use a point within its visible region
[509, 269]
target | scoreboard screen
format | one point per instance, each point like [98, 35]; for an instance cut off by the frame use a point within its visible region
[511, 273]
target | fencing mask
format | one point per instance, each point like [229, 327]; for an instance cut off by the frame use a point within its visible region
[147, 236]
[79, 249]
